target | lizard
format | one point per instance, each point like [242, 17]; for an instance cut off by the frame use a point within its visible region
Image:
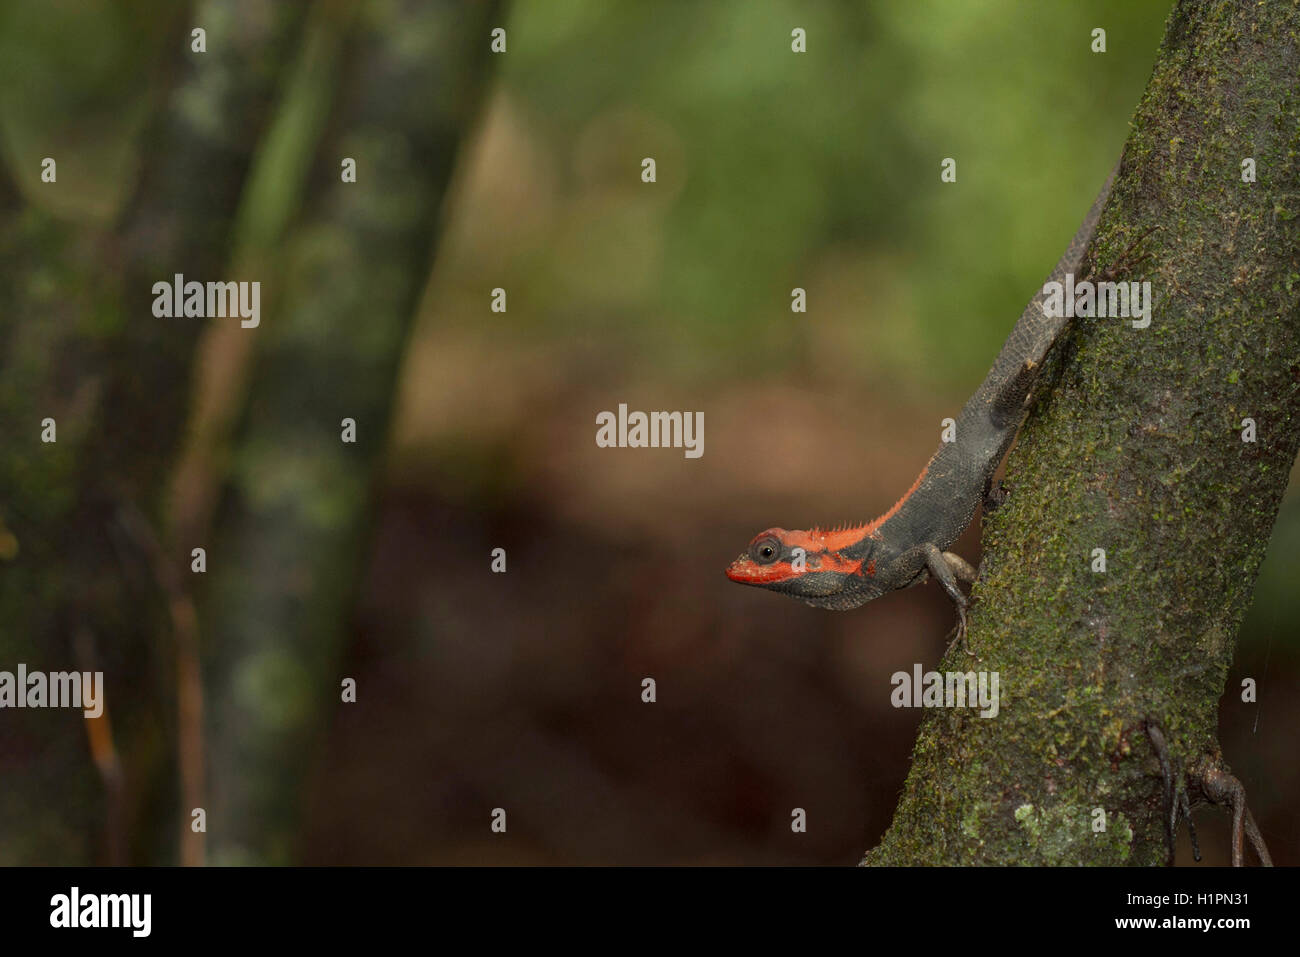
[845, 567]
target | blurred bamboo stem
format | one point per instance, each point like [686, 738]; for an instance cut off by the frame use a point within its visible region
[270, 198]
[224, 354]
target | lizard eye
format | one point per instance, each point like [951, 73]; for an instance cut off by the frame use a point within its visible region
[765, 551]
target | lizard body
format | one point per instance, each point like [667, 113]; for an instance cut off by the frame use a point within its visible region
[846, 567]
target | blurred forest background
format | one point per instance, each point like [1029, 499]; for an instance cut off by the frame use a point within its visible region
[519, 690]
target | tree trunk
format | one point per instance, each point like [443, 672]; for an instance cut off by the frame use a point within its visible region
[79, 345]
[1136, 447]
[287, 536]
[164, 423]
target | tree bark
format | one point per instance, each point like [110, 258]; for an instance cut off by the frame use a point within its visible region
[1136, 447]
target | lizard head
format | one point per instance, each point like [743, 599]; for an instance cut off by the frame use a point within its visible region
[813, 565]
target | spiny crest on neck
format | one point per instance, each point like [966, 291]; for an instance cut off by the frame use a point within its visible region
[831, 539]
[842, 536]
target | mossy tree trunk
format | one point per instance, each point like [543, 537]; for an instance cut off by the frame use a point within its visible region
[1136, 447]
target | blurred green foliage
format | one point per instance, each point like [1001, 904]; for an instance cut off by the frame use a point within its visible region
[75, 83]
[777, 163]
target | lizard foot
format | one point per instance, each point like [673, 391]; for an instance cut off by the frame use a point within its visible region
[960, 630]
[1126, 261]
[996, 496]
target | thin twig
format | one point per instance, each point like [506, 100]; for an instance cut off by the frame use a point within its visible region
[189, 680]
[99, 733]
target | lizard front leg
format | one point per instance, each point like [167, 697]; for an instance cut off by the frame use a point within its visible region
[1127, 260]
[995, 496]
[946, 568]
[964, 570]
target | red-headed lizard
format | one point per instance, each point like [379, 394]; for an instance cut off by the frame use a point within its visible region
[846, 567]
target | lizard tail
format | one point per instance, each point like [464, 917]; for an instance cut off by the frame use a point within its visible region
[1009, 382]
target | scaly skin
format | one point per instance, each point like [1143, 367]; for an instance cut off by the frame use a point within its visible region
[847, 567]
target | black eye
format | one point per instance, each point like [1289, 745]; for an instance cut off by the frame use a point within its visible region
[765, 551]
